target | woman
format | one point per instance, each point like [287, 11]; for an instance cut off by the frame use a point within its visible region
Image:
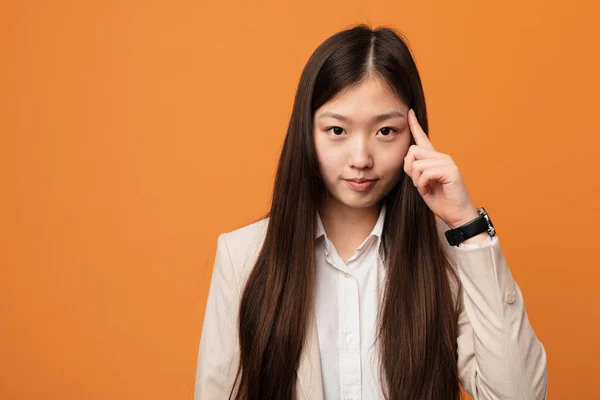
[349, 287]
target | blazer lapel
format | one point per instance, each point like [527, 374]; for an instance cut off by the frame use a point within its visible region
[310, 385]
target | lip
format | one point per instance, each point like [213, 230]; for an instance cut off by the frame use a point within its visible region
[361, 180]
[361, 185]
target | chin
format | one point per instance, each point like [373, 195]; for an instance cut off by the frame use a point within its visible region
[361, 201]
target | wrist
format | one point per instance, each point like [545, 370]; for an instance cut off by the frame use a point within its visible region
[470, 216]
[472, 229]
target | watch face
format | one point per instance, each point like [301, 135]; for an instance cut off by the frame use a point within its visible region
[491, 229]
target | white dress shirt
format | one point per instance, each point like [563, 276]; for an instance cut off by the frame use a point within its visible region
[347, 300]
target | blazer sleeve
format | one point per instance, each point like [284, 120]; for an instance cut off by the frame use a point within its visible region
[499, 355]
[485, 243]
[218, 356]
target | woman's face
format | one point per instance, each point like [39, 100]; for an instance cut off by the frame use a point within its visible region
[362, 133]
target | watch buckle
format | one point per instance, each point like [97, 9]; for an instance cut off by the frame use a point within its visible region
[454, 236]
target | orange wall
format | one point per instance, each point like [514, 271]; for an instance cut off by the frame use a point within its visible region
[133, 133]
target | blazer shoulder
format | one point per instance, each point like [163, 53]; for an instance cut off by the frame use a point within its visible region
[244, 245]
[450, 253]
[449, 250]
[442, 227]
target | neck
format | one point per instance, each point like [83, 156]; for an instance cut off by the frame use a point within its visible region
[347, 227]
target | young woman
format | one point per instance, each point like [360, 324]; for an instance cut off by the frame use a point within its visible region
[358, 284]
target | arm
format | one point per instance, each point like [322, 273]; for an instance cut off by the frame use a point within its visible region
[218, 356]
[499, 355]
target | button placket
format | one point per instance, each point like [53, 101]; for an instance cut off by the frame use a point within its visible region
[350, 363]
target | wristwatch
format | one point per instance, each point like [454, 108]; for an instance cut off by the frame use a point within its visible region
[472, 228]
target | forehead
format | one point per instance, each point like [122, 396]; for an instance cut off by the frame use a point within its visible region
[370, 96]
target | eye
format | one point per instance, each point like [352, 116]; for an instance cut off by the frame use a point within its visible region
[385, 131]
[337, 131]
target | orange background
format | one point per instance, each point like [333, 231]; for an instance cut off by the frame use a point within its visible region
[133, 133]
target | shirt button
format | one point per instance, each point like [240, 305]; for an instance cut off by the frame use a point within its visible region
[510, 297]
[349, 338]
[347, 275]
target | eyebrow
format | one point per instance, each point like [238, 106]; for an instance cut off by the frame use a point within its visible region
[377, 118]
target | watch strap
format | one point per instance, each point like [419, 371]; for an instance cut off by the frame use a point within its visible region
[470, 229]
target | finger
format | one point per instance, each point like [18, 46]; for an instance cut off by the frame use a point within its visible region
[419, 166]
[418, 133]
[443, 174]
[419, 153]
[430, 175]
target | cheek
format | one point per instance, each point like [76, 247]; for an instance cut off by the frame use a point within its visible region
[392, 159]
[331, 161]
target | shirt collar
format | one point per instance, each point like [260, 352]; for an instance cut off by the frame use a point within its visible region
[377, 229]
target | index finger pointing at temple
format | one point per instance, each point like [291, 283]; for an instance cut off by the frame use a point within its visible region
[420, 136]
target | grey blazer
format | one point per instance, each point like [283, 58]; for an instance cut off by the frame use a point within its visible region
[499, 355]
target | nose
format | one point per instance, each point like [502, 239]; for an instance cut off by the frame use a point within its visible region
[360, 156]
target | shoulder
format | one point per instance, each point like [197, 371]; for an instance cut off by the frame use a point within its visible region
[243, 246]
[442, 227]
[451, 256]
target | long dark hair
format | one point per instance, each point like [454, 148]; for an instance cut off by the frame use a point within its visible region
[418, 321]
